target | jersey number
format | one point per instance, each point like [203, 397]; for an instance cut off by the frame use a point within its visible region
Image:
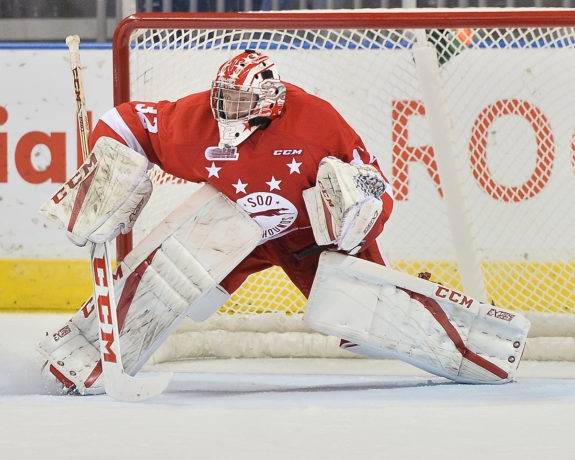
[142, 110]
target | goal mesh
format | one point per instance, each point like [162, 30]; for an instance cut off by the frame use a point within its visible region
[478, 144]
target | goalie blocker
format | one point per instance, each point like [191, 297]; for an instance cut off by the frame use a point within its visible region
[383, 313]
[104, 197]
[173, 273]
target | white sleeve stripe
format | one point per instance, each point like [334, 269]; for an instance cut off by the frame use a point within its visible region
[113, 119]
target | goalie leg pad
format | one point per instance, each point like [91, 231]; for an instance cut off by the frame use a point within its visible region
[172, 273]
[383, 313]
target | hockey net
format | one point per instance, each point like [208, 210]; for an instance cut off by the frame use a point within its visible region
[471, 116]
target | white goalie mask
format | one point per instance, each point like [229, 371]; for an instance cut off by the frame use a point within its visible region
[246, 95]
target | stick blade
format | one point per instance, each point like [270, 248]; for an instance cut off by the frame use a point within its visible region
[124, 387]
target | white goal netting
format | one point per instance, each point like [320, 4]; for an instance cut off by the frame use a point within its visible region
[471, 116]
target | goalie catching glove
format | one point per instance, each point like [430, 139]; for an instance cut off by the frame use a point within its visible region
[104, 197]
[345, 204]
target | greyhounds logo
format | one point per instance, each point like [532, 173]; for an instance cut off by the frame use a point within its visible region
[272, 212]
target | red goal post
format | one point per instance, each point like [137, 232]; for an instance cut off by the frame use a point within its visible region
[471, 114]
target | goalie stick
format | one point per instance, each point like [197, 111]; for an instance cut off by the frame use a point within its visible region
[117, 383]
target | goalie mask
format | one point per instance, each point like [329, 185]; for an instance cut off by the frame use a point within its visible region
[246, 95]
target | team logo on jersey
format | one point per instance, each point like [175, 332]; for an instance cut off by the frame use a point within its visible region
[272, 212]
[222, 154]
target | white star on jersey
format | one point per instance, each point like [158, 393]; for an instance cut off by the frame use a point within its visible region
[274, 184]
[293, 166]
[240, 187]
[213, 171]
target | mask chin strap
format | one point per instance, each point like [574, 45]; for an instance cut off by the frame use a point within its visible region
[260, 122]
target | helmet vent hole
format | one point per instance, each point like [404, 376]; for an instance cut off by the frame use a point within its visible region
[267, 74]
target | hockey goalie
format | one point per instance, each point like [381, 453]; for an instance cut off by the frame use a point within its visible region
[288, 183]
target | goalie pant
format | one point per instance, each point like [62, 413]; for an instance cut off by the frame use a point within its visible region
[172, 273]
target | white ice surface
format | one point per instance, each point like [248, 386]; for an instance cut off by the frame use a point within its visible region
[284, 409]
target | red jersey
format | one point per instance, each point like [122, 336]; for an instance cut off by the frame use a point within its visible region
[273, 166]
